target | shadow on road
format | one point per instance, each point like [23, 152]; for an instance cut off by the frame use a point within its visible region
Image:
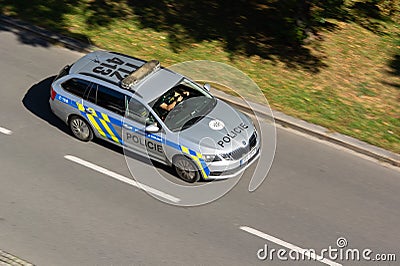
[35, 36]
[36, 100]
[25, 37]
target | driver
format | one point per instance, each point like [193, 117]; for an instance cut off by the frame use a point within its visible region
[170, 101]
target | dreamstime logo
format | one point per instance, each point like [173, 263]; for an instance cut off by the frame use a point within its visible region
[327, 255]
[221, 131]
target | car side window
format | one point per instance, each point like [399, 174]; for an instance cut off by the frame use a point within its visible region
[76, 86]
[139, 113]
[111, 100]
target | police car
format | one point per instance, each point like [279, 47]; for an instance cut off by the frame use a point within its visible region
[155, 112]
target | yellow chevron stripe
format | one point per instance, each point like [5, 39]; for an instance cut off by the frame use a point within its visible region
[94, 123]
[184, 149]
[200, 166]
[105, 117]
[109, 131]
[93, 112]
[80, 106]
[196, 159]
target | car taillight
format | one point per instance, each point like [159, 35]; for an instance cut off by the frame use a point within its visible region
[52, 94]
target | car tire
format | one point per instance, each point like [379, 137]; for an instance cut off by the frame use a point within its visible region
[186, 169]
[80, 128]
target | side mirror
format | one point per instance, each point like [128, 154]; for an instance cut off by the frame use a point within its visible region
[207, 87]
[152, 128]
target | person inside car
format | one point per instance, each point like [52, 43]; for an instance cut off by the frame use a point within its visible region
[171, 100]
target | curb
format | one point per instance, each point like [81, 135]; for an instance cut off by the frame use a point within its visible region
[320, 132]
[279, 117]
[52, 37]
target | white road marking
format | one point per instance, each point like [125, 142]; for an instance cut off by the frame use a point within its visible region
[288, 245]
[5, 131]
[122, 178]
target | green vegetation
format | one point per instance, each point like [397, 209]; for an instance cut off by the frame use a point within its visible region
[335, 63]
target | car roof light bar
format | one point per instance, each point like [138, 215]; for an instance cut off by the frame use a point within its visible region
[145, 70]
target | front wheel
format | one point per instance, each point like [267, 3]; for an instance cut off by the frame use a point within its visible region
[186, 169]
[80, 128]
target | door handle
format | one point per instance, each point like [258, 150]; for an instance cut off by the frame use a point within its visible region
[127, 126]
[89, 110]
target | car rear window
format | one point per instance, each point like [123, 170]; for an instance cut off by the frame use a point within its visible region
[76, 86]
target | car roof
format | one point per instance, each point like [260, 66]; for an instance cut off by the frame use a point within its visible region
[112, 67]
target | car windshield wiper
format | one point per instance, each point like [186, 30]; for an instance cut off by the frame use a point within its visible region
[191, 122]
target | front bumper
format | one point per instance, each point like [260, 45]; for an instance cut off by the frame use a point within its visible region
[233, 168]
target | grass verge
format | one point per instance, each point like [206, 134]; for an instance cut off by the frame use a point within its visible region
[354, 90]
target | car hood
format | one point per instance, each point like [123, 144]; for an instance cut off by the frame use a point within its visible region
[224, 129]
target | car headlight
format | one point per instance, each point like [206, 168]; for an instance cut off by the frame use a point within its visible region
[211, 158]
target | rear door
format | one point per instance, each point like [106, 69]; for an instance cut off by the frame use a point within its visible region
[105, 110]
[73, 91]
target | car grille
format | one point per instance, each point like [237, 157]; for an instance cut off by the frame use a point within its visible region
[240, 152]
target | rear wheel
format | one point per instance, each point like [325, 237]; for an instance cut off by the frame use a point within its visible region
[186, 169]
[80, 128]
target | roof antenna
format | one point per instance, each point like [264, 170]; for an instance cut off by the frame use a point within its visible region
[92, 47]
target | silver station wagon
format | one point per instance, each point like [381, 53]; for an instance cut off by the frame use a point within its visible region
[156, 113]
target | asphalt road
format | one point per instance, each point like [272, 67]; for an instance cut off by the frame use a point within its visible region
[56, 212]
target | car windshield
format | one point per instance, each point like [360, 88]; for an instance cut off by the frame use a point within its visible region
[183, 105]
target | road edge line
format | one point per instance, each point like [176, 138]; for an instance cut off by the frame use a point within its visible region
[288, 245]
[5, 131]
[121, 178]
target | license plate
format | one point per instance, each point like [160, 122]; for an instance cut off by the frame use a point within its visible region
[248, 156]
